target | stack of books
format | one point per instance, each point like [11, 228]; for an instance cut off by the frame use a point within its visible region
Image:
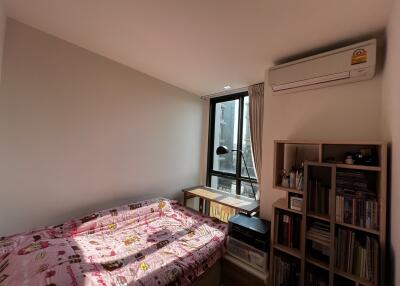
[287, 271]
[356, 202]
[357, 254]
[318, 198]
[289, 227]
[319, 231]
[353, 181]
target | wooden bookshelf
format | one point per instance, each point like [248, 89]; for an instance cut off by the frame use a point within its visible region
[322, 161]
[327, 243]
[288, 250]
[289, 190]
[323, 217]
[355, 227]
[359, 167]
[283, 205]
[354, 278]
[318, 263]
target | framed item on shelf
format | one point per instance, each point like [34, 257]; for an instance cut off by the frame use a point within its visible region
[296, 203]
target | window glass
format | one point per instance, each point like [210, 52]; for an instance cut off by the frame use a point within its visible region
[231, 128]
[225, 133]
[246, 142]
[245, 190]
[223, 184]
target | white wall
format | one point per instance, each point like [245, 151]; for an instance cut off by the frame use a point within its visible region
[391, 133]
[80, 132]
[2, 32]
[343, 112]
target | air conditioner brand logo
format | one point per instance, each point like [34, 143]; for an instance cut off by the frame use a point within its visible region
[359, 56]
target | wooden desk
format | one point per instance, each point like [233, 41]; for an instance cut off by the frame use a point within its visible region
[239, 203]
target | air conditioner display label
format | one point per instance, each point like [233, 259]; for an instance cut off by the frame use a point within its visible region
[359, 57]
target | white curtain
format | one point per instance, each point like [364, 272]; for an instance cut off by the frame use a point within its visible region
[256, 108]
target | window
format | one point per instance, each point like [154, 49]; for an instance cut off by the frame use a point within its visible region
[230, 126]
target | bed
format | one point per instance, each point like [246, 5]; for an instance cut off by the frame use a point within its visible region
[154, 242]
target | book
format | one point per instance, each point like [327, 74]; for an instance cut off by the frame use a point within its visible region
[318, 251]
[356, 198]
[318, 198]
[289, 227]
[357, 210]
[287, 271]
[357, 253]
[314, 278]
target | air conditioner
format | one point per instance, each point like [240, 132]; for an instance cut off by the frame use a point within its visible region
[349, 64]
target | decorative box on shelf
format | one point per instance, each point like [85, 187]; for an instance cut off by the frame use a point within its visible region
[296, 203]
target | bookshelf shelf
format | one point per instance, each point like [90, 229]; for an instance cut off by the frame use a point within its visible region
[319, 216]
[359, 167]
[288, 250]
[283, 205]
[318, 263]
[359, 228]
[289, 190]
[333, 193]
[354, 278]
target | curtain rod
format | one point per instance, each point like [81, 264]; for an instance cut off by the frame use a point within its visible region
[227, 92]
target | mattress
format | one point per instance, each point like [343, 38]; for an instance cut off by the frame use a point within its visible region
[154, 242]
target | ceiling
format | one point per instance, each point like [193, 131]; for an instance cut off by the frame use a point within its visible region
[202, 45]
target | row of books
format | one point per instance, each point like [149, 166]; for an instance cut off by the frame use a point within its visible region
[354, 181]
[287, 271]
[357, 254]
[318, 198]
[319, 231]
[356, 210]
[315, 279]
[289, 227]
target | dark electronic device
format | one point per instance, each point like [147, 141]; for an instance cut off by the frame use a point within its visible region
[253, 231]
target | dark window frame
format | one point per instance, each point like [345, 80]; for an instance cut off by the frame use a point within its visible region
[237, 176]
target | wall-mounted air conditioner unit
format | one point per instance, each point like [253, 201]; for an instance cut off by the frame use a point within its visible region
[349, 64]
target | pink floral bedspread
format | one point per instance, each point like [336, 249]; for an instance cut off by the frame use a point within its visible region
[156, 242]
